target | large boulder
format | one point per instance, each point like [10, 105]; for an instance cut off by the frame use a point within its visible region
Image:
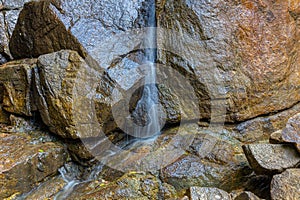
[246, 53]
[43, 33]
[48, 26]
[210, 162]
[271, 158]
[9, 12]
[62, 87]
[26, 161]
[16, 87]
[286, 185]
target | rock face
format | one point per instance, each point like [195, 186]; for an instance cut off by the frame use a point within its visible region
[130, 186]
[198, 193]
[230, 47]
[56, 81]
[9, 12]
[286, 185]
[261, 128]
[79, 24]
[29, 162]
[43, 33]
[211, 162]
[16, 84]
[271, 158]
[292, 131]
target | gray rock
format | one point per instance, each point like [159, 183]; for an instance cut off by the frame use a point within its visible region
[292, 131]
[205, 193]
[271, 158]
[286, 185]
[260, 128]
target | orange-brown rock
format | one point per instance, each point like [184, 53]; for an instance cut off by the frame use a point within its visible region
[16, 87]
[26, 161]
[245, 52]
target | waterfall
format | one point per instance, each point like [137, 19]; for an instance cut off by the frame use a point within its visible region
[147, 107]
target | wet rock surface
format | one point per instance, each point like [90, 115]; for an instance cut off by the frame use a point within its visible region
[16, 84]
[286, 185]
[55, 88]
[271, 158]
[47, 190]
[25, 162]
[238, 41]
[239, 57]
[134, 185]
[42, 34]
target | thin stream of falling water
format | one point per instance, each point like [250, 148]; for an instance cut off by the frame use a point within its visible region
[147, 133]
[148, 104]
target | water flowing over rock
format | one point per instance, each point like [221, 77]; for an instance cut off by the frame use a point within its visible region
[30, 161]
[271, 158]
[286, 185]
[246, 53]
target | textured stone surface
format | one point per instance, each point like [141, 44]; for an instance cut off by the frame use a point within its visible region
[38, 31]
[292, 131]
[4, 116]
[276, 137]
[87, 20]
[246, 196]
[133, 185]
[202, 193]
[58, 94]
[9, 12]
[252, 46]
[286, 185]
[47, 190]
[190, 170]
[25, 162]
[261, 128]
[16, 82]
[271, 158]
